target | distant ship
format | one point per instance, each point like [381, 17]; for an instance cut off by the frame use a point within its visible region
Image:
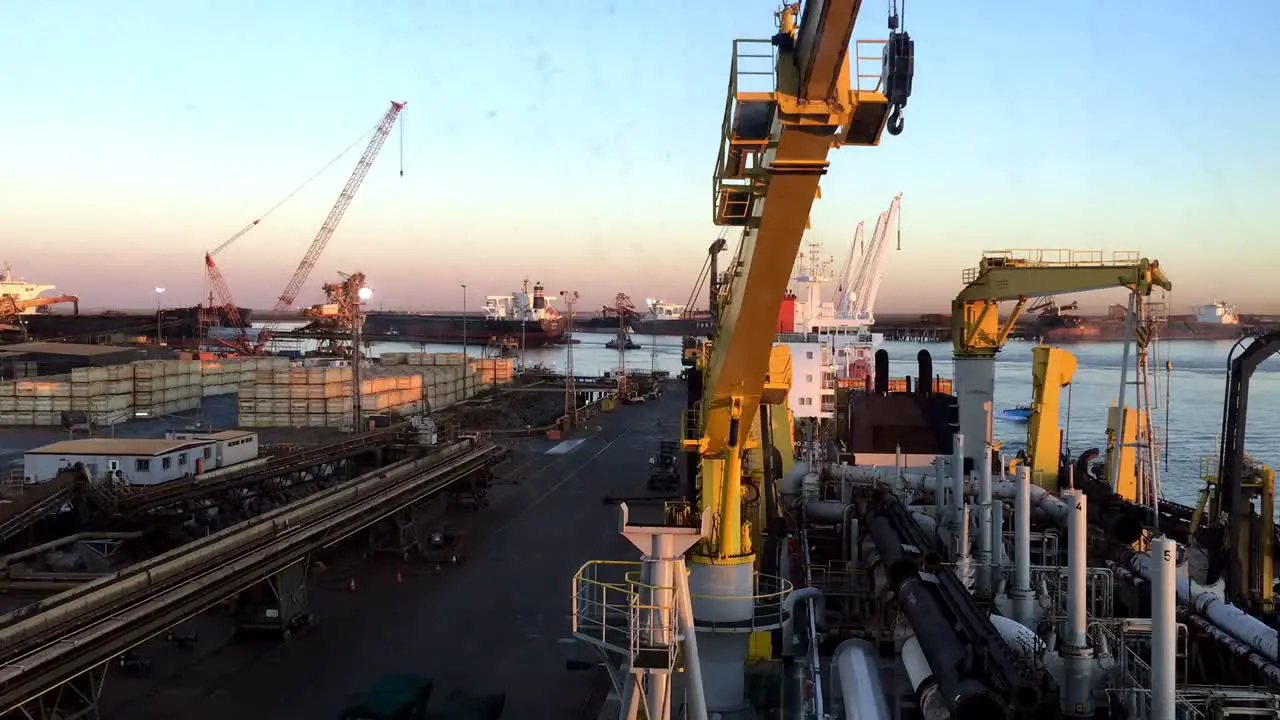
[1215, 321]
[21, 289]
[669, 319]
[512, 320]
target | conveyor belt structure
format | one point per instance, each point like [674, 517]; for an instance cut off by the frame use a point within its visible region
[61, 638]
[171, 493]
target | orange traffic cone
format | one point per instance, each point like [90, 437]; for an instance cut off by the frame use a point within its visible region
[399, 576]
[352, 585]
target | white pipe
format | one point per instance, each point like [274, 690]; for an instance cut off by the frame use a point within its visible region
[792, 480]
[1164, 629]
[858, 667]
[1212, 607]
[964, 568]
[984, 524]
[1022, 594]
[939, 498]
[997, 544]
[897, 461]
[920, 675]
[957, 476]
[1020, 638]
[1040, 498]
[1077, 570]
[692, 662]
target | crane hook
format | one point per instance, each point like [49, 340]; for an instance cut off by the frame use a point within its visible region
[895, 123]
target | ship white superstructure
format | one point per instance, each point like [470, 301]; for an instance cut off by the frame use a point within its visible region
[20, 289]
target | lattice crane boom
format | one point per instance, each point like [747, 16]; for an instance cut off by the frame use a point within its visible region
[330, 225]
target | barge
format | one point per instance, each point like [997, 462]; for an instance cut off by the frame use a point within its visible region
[517, 320]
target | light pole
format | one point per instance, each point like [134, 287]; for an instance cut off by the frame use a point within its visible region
[159, 330]
[357, 333]
[465, 360]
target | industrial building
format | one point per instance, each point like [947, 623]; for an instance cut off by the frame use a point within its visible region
[136, 461]
[230, 446]
[50, 358]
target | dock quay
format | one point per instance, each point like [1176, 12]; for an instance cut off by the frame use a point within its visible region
[286, 570]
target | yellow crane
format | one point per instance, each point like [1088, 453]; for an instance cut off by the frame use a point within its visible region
[827, 91]
[978, 333]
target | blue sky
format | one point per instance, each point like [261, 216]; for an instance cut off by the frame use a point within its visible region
[573, 142]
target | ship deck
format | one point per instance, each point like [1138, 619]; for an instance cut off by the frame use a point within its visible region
[498, 621]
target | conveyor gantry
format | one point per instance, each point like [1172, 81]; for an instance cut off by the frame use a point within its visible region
[65, 640]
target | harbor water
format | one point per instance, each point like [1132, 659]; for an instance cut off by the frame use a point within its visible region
[1186, 402]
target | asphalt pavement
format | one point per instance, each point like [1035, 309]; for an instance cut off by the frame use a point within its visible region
[496, 621]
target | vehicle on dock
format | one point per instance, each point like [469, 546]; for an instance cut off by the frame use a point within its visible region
[392, 697]
[664, 473]
[443, 546]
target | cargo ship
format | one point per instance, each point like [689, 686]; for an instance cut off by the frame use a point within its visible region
[669, 319]
[177, 325]
[1215, 321]
[516, 320]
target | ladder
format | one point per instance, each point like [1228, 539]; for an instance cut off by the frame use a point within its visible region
[1143, 322]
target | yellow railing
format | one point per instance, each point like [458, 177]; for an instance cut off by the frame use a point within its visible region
[615, 611]
[741, 72]
[869, 66]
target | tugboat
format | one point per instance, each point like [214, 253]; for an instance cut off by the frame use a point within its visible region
[624, 343]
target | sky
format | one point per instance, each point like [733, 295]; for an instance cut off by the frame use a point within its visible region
[572, 142]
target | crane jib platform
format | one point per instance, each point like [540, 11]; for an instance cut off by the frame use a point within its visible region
[71, 634]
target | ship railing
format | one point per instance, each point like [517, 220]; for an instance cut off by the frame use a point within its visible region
[617, 612]
[1129, 640]
[752, 81]
[1059, 257]
[836, 580]
[768, 602]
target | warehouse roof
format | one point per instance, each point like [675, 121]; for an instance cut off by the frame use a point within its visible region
[219, 436]
[78, 349]
[118, 446]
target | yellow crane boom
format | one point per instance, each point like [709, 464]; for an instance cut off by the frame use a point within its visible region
[773, 153]
[978, 333]
[1024, 274]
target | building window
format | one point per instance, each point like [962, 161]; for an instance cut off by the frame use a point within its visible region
[808, 378]
[182, 458]
[142, 466]
[208, 453]
[808, 355]
[165, 462]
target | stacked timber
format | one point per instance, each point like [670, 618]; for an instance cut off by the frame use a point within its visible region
[165, 387]
[446, 377]
[229, 376]
[322, 396]
[103, 394]
[494, 371]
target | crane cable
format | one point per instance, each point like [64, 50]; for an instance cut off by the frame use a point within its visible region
[304, 185]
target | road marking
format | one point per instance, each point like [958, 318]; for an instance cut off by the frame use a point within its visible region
[569, 476]
[566, 447]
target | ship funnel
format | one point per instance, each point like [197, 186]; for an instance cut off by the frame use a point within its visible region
[882, 372]
[924, 360]
[539, 297]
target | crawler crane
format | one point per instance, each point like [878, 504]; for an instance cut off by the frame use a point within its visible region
[773, 153]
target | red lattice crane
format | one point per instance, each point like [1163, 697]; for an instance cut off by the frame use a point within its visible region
[287, 298]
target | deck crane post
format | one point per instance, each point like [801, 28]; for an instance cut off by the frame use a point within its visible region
[978, 333]
[773, 153]
[873, 266]
[330, 224]
[840, 299]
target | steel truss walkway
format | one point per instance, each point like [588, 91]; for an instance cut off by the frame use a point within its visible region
[53, 653]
